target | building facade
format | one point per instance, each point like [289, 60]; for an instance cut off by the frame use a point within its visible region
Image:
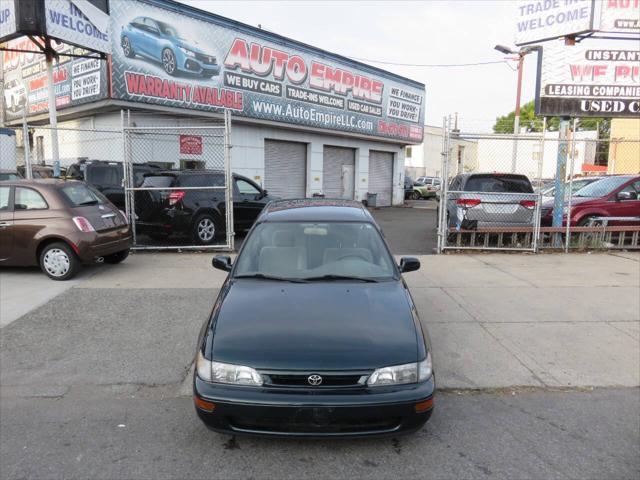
[304, 121]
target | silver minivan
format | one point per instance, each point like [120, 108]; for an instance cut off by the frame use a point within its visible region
[477, 200]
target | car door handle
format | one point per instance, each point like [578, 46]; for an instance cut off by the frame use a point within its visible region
[5, 224]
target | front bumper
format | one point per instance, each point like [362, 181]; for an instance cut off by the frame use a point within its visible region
[313, 412]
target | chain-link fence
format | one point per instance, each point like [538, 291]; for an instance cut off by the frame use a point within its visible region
[178, 186]
[535, 190]
[173, 182]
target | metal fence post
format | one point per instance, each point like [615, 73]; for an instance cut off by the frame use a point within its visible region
[229, 179]
[572, 151]
[538, 212]
[443, 184]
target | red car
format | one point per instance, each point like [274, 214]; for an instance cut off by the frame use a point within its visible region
[615, 196]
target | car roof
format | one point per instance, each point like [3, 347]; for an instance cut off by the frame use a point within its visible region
[315, 210]
[175, 173]
[47, 183]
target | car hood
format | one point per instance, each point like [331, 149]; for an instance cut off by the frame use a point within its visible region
[315, 326]
[192, 45]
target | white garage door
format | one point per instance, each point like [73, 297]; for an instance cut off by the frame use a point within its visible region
[285, 168]
[381, 176]
[338, 169]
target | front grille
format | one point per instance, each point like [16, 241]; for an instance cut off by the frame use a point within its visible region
[302, 380]
[208, 59]
[312, 425]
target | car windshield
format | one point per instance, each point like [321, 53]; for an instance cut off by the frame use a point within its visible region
[601, 187]
[311, 251]
[9, 176]
[81, 195]
[158, 181]
[576, 185]
[498, 183]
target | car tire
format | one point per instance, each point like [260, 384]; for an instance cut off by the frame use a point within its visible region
[169, 61]
[206, 229]
[127, 48]
[58, 261]
[415, 195]
[585, 220]
[116, 257]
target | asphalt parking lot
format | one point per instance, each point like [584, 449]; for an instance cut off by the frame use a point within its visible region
[536, 359]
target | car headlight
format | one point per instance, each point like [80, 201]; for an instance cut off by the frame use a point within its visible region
[218, 372]
[401, 374]
[188, 53]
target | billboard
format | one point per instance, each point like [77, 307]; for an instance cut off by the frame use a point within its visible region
[168, 54]
[76, 80]
[7, 19]
[621, 16]
[78, 22]
[595, 79]
[538, 20]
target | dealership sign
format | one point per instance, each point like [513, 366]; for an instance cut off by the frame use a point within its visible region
[26, 90]
[78, 23]
[622, 16]
[538, 20]
[156, 59]
[590, 80]
[7, 19]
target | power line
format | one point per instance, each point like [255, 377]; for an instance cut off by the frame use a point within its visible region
[434, 65]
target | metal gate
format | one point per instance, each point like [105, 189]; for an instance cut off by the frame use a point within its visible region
[179, 186]
[285, 168]
[381, 176]
[338, 172]
[491, 191]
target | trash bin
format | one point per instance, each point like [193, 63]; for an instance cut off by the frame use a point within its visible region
[372, 200]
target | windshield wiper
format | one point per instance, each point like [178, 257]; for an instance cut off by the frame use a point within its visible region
[262, 276]
[340, 277]
[88, 202]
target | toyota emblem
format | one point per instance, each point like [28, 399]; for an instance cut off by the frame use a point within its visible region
[314, 380]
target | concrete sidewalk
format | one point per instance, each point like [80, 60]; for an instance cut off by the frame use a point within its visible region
[495, 320]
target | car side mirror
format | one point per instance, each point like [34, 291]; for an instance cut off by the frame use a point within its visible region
[409, 264]
[626, 196]
[222, 262]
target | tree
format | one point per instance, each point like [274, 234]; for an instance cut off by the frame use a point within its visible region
[530, 122]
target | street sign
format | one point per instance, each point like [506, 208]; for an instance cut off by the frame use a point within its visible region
[600, 79]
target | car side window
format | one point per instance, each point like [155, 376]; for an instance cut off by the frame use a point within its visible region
[29, 199]
[106, 175]
[245, 188]
[150, 25]
[201, 180]
[4, 198]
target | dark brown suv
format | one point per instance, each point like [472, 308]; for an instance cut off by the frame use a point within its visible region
[59, 225]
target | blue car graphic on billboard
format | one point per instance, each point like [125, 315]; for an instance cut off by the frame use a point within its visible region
[160, 42]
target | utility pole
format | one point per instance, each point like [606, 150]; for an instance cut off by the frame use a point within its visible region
[523, 52]
[516, 120]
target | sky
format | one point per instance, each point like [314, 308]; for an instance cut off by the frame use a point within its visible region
[420, 32]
